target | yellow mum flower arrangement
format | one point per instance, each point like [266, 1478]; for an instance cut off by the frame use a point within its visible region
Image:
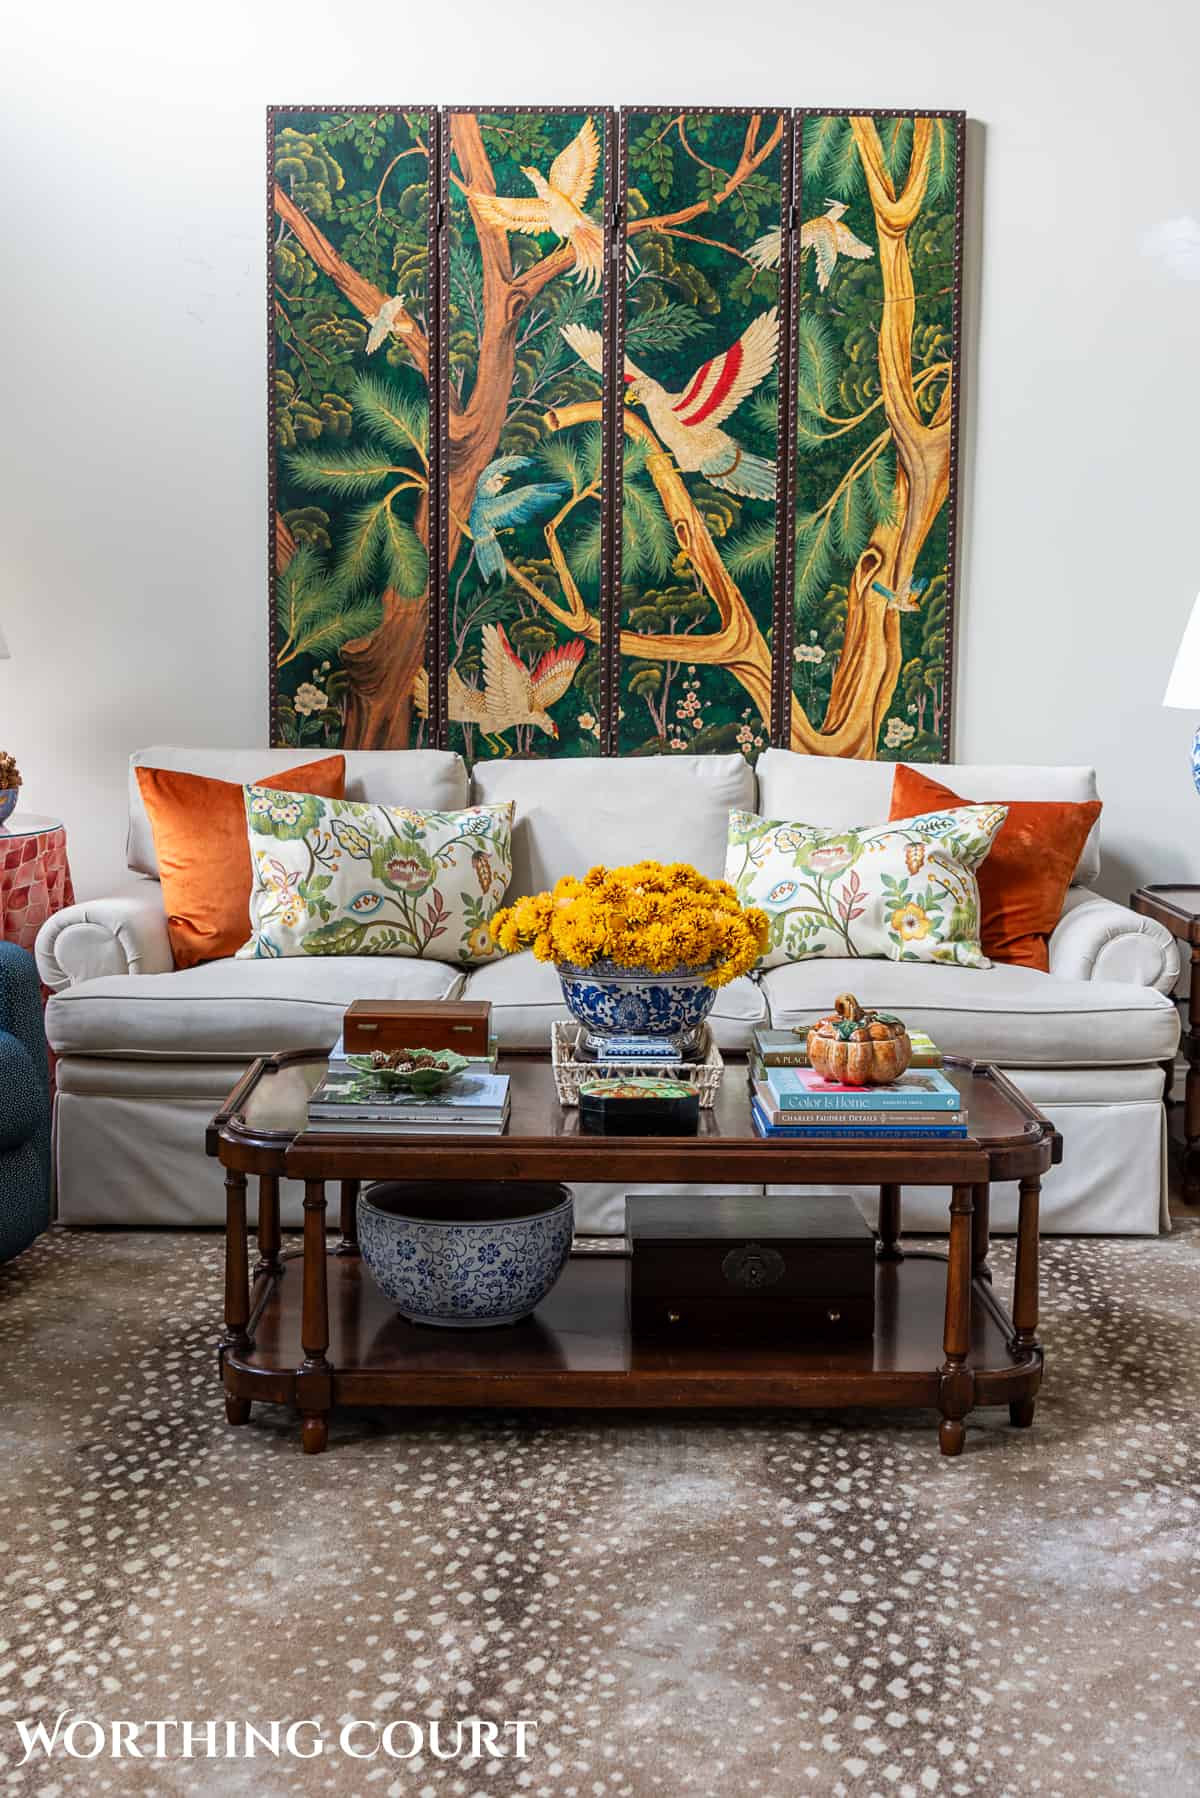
[653, 916]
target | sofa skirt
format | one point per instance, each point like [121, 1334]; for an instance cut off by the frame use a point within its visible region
[129, 1150]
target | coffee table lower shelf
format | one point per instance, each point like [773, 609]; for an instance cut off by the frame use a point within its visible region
[577, 1352]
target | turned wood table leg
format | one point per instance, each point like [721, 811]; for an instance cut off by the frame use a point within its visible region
[236, 1339]
[348, 1218]
[1191, 1099]
[957, 1389]
[981, 1232]
[269, 1239]
[1025, 1292]
[313, 1380]
[889, 1224]
[237, 1279]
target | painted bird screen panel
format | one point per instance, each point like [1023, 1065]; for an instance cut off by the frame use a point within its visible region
[876, 341]
[525, 285]
[352, 193]
[701, 340]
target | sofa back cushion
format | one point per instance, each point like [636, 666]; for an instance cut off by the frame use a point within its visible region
[426, 779]
[573, 814]
[839, 793]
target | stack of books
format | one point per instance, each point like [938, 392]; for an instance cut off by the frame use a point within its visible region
[474, 1102]
[471, 1104]
[784, 1049]
[795, 1102]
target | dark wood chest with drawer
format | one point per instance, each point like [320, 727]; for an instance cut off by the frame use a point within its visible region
[737, 1269]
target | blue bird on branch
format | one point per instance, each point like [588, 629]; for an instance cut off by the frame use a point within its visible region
[493, 510]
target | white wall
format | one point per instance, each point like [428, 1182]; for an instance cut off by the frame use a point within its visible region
[133, 485]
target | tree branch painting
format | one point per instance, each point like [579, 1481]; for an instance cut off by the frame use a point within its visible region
[702, 467]
[350, 413]
[872, 546]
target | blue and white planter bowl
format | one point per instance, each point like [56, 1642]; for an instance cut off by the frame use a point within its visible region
[466, 1254]
[613, 1004]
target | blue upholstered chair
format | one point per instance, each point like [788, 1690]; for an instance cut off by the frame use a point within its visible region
[24, 1105]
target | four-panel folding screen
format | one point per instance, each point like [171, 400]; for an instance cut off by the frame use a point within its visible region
[599, 432]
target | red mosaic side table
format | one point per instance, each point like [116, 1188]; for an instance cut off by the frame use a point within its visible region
[35, 878]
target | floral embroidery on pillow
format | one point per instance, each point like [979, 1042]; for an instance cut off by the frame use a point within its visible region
[904, 890]
[332, 877]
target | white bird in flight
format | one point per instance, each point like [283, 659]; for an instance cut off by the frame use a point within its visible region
[559, 205]
[828, 239]
[689, 422]
[383, 323]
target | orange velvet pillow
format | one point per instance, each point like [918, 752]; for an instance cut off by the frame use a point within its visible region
[203, 850]
[1024, 877]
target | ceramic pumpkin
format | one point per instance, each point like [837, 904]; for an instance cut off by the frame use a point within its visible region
[857, 1047]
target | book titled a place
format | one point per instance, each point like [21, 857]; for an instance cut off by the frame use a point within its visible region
[803, 1089]
[784, 1049]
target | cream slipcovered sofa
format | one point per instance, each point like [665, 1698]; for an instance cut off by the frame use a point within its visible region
[147, 1054]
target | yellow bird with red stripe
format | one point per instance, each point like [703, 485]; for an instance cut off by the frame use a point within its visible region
[689, 423]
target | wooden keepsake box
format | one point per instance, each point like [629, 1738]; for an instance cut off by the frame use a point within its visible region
[387, 1024]
[736, 1269]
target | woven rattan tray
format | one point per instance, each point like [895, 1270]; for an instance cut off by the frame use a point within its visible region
[569, 1074]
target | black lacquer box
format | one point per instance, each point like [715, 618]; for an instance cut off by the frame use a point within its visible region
[639, 1106]
[745, 1268]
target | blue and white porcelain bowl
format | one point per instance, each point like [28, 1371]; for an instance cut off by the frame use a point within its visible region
[466, 1254]
[614, 1004]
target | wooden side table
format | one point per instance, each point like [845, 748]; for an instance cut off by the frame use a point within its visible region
[35, 877]
[1177, 909]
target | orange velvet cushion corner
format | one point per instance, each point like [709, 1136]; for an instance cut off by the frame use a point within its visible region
[1024, 878]
[203, 850]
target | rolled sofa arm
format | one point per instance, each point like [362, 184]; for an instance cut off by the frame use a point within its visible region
[123, 935]
[1097, 939]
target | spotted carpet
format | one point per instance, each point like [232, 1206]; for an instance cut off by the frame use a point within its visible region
[704, 1606]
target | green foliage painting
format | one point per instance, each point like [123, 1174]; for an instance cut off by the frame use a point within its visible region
[546, 385]
[875, 354]
[701, 429]
[525, 261]
[350, 425]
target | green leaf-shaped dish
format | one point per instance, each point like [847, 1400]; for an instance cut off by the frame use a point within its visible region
[415, 1080]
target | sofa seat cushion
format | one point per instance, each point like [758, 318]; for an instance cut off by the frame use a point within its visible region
[526, 999]
[1014, 1016]
[226, 1009]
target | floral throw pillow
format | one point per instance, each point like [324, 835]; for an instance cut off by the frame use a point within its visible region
[332, 877]
[904, 891]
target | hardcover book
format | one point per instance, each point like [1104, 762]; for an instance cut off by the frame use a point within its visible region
[781, 1048]
[900, 1131]
[345, 1093]
[409, 1126]
[817, 1118]
[803, 1089]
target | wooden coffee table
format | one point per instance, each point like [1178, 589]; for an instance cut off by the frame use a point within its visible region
[308, 1327]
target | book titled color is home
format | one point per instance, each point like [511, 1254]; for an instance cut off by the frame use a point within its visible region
[814, 1129]
[803, 1089]
[819, 1118]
